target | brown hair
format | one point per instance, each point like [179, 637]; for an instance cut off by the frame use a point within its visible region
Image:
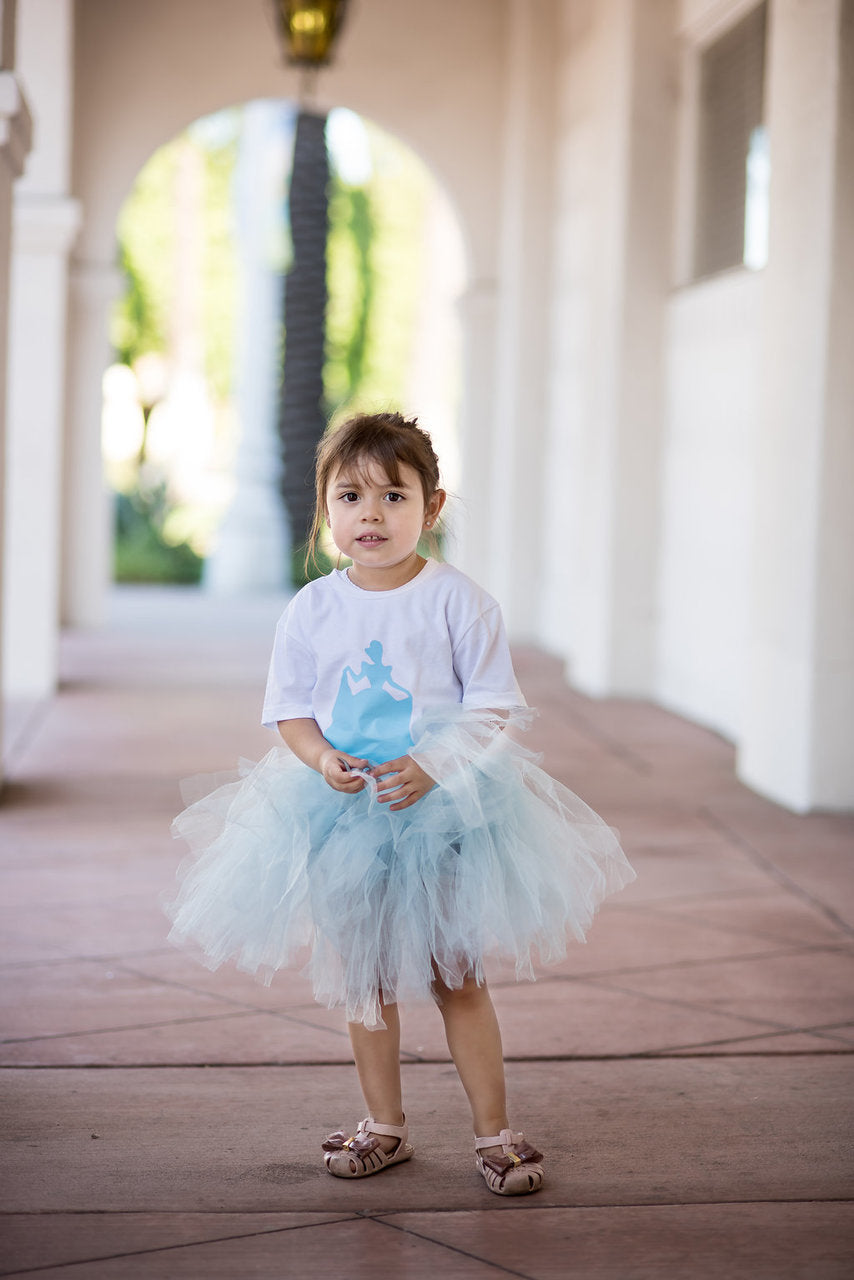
[387, 439]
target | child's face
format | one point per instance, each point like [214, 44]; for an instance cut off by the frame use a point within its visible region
[378, 524]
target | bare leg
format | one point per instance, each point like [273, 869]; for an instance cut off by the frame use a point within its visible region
[475, 1044]
[377, 1055]
[474, 1039]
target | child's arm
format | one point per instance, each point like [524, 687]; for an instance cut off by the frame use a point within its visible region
[309, 745]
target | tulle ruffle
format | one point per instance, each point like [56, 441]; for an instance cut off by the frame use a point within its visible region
[498, 859]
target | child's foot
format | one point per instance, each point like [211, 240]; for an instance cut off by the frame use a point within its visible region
[373, 1148]
[510, 1166]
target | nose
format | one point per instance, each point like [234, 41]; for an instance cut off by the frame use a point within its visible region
[371, 510]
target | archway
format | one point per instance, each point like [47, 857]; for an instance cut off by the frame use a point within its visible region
[188, 434]
[141, 75]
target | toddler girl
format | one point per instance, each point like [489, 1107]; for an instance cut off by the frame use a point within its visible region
[405, 835]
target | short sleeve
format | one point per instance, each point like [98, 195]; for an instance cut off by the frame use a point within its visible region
[290, 680]
[483, 664]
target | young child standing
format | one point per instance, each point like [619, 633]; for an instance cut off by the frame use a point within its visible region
[405, 835]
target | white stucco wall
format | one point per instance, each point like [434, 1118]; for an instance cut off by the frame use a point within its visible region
[15, 141]
[614, 160]
[706, 513]
[798, 745]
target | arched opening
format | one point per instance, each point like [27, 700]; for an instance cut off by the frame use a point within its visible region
[189, 426]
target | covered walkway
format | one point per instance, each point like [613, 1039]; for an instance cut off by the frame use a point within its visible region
[688, 1071]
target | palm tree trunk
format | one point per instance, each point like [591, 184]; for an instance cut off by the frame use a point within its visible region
[301, 409]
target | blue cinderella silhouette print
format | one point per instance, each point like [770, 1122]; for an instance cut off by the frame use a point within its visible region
[372, 713]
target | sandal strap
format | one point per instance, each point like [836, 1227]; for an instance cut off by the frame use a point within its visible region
[366, 1138]
[506, 1138]
[370, 1125]
[515, 1152]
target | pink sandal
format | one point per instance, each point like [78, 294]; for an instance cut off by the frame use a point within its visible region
[362, 1155]
[517, 1172]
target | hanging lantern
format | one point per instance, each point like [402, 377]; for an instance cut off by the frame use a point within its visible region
[309, 28]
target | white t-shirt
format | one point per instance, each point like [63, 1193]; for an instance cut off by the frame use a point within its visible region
[366, 664]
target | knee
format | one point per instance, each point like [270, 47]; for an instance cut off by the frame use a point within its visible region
[468, 996]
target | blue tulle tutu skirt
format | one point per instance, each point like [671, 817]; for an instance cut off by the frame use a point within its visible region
[497, 860]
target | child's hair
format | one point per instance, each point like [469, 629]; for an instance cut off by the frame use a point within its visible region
[387, 439]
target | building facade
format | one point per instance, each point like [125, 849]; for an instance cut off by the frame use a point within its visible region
[657, 430]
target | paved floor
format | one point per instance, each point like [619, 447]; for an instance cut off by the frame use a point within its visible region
[688, 1071]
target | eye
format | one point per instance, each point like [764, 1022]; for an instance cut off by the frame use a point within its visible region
[394, 497]
[349, 497]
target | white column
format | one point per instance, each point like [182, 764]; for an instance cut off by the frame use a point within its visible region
[798, 744]
[468, 518]
[46, 221]
[15, 133]
[514, 454]
[607, 394]
[43, 234]
[87, 517]
[252, 551]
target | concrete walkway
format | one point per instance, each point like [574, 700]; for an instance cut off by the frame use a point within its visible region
[688, 1071]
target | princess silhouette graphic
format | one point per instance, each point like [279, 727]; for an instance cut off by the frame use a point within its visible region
[372, 713]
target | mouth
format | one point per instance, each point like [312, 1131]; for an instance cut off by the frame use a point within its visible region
[371, 540]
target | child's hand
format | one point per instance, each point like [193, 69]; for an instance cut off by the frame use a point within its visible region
[408, 784]
[336, 768]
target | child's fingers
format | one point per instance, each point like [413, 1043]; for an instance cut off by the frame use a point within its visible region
[407, 801]
[391, 766]
[352, 762]
[403, 796]
[349, 786]
[341, 772]
[401, 782]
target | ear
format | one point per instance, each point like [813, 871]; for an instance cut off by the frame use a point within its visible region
[434, 507]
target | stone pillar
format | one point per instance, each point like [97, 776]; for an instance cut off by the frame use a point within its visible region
[798, 742]
[87, 518]
[513, 458]
[252, 550]
[615, 163]
[15, 134]
[468, 518]
[46, 221]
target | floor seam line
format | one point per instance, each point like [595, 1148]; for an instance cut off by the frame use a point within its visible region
[390, 1213]
[184, 1244]
[598, 975]
[418, 1235]
[689, 1004]
[776, 873]
[846, 1048]
[135, 1026]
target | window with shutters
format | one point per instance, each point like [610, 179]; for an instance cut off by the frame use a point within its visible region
[732, 153]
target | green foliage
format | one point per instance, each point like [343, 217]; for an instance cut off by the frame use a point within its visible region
[140, 319]
[149, 236]
[375, 275]
[135, 329]
[141, 552]
[319, 565]
[219, 268]
[351, 290]
[180, 204]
